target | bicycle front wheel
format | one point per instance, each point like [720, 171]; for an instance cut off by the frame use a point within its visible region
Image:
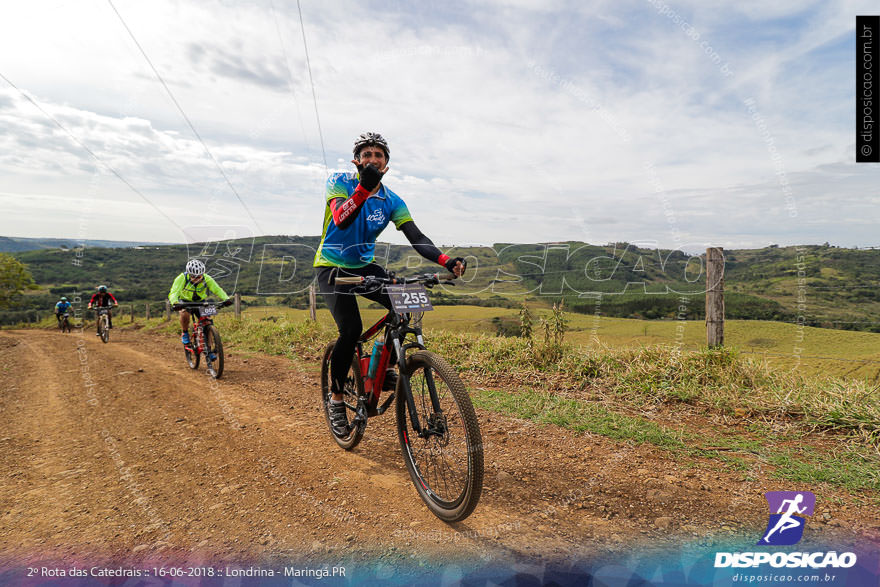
[192, 357]
[213, 344]
[105, 328]
[445, 461]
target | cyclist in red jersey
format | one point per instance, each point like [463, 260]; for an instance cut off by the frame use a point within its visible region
[102, 299]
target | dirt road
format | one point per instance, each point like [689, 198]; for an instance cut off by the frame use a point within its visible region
[121, 450]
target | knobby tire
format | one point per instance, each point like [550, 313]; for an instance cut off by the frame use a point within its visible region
[105, 328]
[192, 357]
[446, 470]
[215, 344]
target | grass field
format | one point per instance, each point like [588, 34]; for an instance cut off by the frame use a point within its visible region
[805, 350]
[811, 351]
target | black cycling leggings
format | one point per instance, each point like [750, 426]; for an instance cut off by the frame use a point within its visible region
[343, 306]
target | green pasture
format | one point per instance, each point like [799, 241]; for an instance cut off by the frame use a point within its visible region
[807, 350]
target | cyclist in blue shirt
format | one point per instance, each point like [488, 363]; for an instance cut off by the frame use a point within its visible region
[61, 307]
[358, 207]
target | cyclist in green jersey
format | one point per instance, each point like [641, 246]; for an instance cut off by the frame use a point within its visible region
[193, 285]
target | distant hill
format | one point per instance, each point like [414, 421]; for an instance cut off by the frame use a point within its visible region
[14, 244]
[817, 285]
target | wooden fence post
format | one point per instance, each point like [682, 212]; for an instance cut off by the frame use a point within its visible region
[167, 311]
[237, 298]
[313, 302]
[715, 297]
[131, 312]
[147, 311]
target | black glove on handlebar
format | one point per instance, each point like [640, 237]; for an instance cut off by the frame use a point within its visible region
[370, 177]
[450, 264]
[226, 302]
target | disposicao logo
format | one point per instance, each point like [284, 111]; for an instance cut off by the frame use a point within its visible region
[786, 524]
[784, 528]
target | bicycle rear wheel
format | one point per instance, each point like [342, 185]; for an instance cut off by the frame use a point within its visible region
[213, 344]
[351, 391]
[446, 464]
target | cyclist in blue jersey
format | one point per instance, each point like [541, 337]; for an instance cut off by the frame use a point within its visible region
[61, 307]
[358, 207]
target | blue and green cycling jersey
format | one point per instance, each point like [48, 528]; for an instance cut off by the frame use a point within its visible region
[355, 246]
[62, 307]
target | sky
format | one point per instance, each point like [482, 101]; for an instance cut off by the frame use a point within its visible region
[677, 124]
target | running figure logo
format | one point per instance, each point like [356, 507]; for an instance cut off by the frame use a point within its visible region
[787, 511]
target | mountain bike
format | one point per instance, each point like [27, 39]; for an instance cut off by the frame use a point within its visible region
[64, 323]
[206, 340]
[103, 317]
[436, 424]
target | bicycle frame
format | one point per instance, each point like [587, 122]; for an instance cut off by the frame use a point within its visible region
[101, 311]
[199, 323]
[397, 327]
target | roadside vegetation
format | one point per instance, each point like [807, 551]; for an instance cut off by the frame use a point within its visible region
[737, 410]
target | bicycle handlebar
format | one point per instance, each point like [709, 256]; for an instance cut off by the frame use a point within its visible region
[426, 278]
[187, 305]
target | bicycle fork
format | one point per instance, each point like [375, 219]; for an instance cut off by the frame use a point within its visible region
[410, 400]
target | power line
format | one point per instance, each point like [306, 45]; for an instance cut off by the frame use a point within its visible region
[290, 76]
[185, 117]
[92, 153]
[312, 80]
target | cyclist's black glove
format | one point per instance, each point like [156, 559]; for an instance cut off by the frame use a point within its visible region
[450, 264]
[370, 176]
[226, 302]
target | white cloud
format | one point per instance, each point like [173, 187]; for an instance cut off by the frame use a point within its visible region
[512, 121]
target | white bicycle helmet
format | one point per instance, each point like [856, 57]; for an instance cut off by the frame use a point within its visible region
[195, 267]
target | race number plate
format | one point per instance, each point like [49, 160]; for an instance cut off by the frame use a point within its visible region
[412, 297]
[208, 311]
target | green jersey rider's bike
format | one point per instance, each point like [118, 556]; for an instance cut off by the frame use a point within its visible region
[436, 423]
[206, 340]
